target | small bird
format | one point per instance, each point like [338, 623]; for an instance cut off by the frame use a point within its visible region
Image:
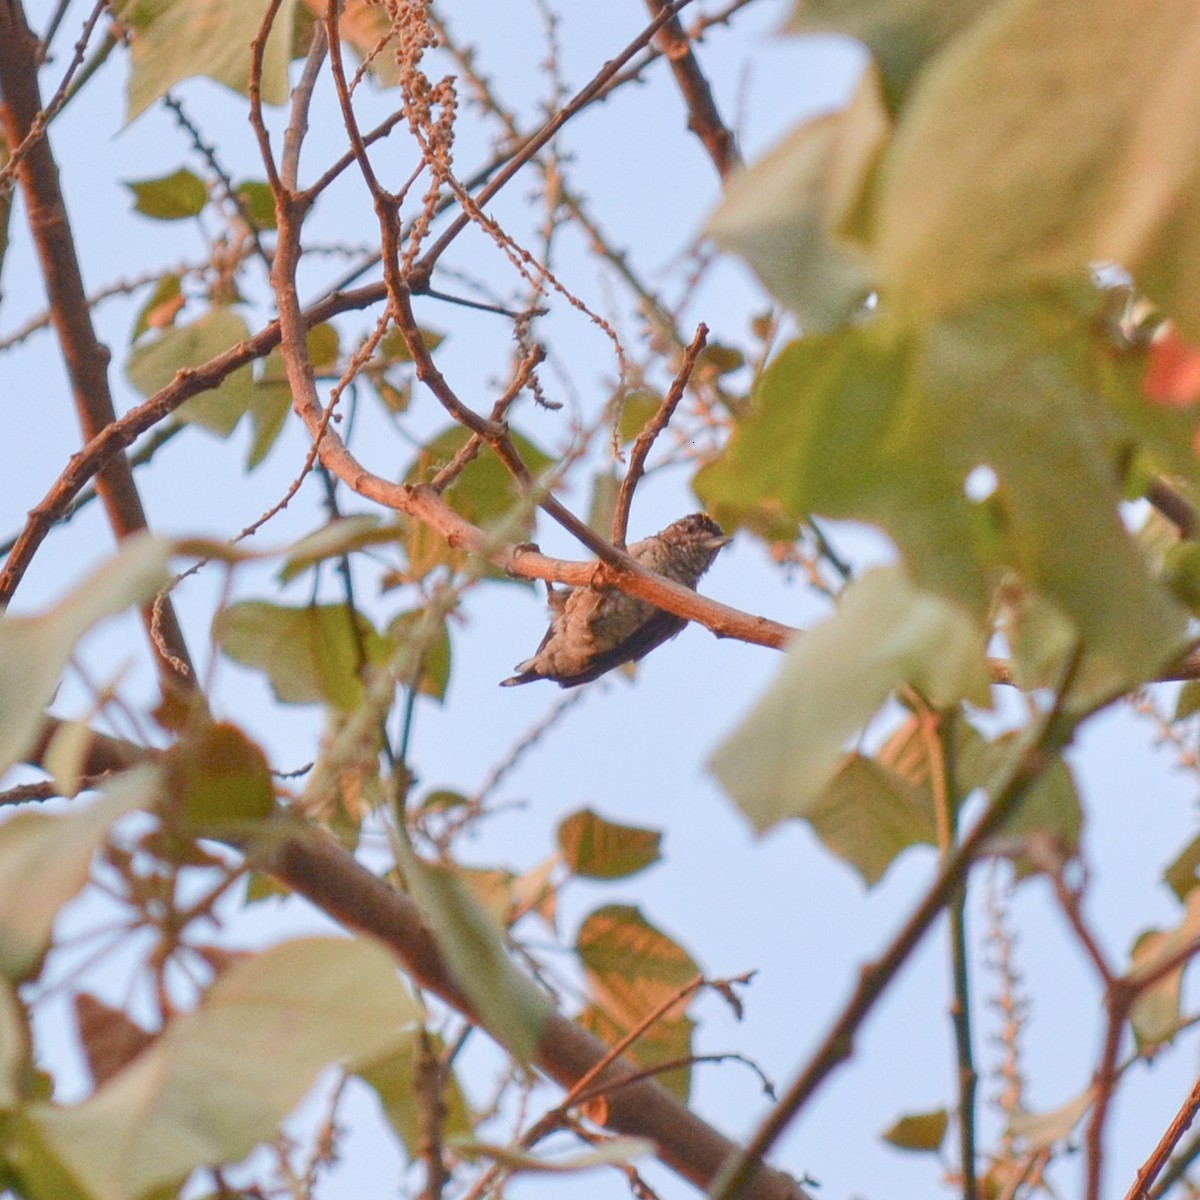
[593, 630]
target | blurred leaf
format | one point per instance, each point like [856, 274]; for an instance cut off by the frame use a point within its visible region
[1184, 873]
[921, 1132]
[173, 197]
[484, 493]
[259, 201]
[341, 536]
[153, 364]
[270, 404]
[33, 895]
[218, 1081]
[323, 344]
[394, 349]
[310, 655]
[794, 215]
[220, 779]
[161, 306]
[885, 425]
[717, 359]
[605, 489]
[632, 966]
[1155, 1014]
[1042, 1130]
[902, 34]
[1181, 573]
[110, 1039]
[534, 891]
[363, 25]
[424, 640]
[638, 405]
[598, 849]
[867, 815]
[175, 41]
[669, 1040]
[34, 650]
[989, 187]
[15, 1040]
[510, 1006]
[393, 1079]
[617, 1150]
[886, 632]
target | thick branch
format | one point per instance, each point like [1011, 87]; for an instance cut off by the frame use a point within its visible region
[85, 358]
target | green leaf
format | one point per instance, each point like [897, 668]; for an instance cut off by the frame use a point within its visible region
[171, 197]
[1041, 1130]
[33, 895]
[868, 815]
[34, 650]
[615, 1151]
[484, 493]
[154, 364]
[311, 655]
[394, 1080]
[989, 186]
[1051, 807]
[638, 405]
[901, 34]
[1184, 873]
[220, 778]
[221, 1079]
[509, 1005]
[795, 216]
[598, 849]
[886, 633]
[323, 344]
[15, 1040]
[259, 202]
[270, 403]
[1155, 1015]
[886, 425]
[339, 537]
[421, 641]
[161, 306]
[178, 39]
[921, 1132]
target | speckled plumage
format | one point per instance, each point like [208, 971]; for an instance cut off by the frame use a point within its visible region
[595, 629]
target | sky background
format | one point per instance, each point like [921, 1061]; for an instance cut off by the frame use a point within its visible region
[634, 751]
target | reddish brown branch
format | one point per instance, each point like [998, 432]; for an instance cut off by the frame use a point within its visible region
[313, 865]
[703, 118]
[85, 358]
[646, 439]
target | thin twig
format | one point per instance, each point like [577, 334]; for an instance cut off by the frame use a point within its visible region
[1170, 1139]
[537, 140]
[646, 438]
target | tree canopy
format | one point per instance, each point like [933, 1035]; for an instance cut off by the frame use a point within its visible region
[415, 313]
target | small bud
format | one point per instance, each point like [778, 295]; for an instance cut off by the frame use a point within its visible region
[593, 630]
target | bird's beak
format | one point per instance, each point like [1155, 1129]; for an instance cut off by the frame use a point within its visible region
[717, 542]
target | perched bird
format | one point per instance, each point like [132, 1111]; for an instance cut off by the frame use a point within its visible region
[593, 630]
